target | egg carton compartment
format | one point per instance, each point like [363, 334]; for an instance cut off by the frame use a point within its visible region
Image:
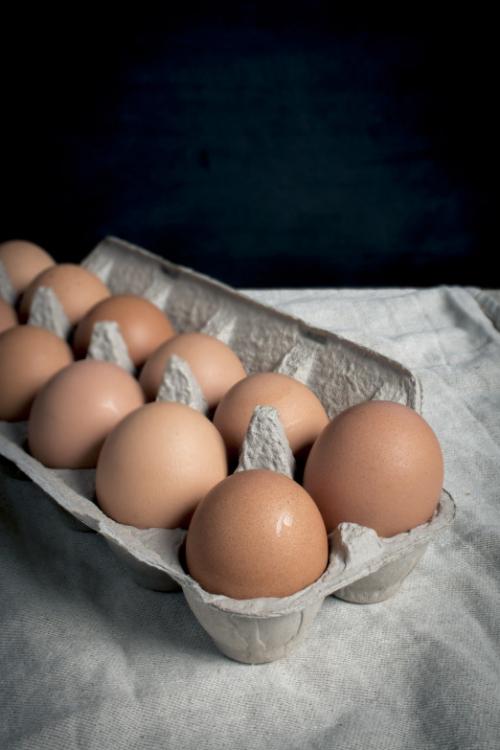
[362, 567]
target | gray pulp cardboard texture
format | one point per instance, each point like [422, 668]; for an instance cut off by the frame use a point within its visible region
[7, 291]
[47, 312]
[107, 344]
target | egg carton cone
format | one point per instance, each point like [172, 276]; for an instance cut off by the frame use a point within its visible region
[47, 312]
[108, 345]
[7, 291]
[362, 567]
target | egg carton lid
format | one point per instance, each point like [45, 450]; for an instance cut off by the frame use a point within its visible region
[340, 372]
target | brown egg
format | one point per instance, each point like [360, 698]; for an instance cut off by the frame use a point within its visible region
[143, 326]
[257, 533]
[76, 289]
[158, 464]
[215, 366]
[377, 464]
[77, 409]
[8, 317]
[23, 261]
[29, 357]
[300, 411]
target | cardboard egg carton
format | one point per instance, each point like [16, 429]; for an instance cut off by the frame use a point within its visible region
[362, 567]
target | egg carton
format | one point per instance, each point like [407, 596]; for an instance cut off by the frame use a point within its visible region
[362, 567]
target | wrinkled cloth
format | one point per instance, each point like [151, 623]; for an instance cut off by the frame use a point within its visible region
[88, 659]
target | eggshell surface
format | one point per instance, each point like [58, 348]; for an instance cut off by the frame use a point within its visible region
[301, 412]
[8, 317]
[215, 366]
[257, 533]
[158, 464]
[76, 289]
[377, 464]
[23, 261]
[143, 326]
[77, 409]
[29, 357]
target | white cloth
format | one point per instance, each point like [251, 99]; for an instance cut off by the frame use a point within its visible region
[90, 660]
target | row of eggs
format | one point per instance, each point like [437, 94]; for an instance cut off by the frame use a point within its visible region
[252, 533]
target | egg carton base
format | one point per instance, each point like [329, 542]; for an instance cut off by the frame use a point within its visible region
[384, 583]
[146, 577]
[251, 635]
[252, 640]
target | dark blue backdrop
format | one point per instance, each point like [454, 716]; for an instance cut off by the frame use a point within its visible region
[262, 147]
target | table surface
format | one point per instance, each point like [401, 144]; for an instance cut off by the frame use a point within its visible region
[90, 660]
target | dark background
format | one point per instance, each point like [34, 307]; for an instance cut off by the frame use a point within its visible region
[264, 145]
